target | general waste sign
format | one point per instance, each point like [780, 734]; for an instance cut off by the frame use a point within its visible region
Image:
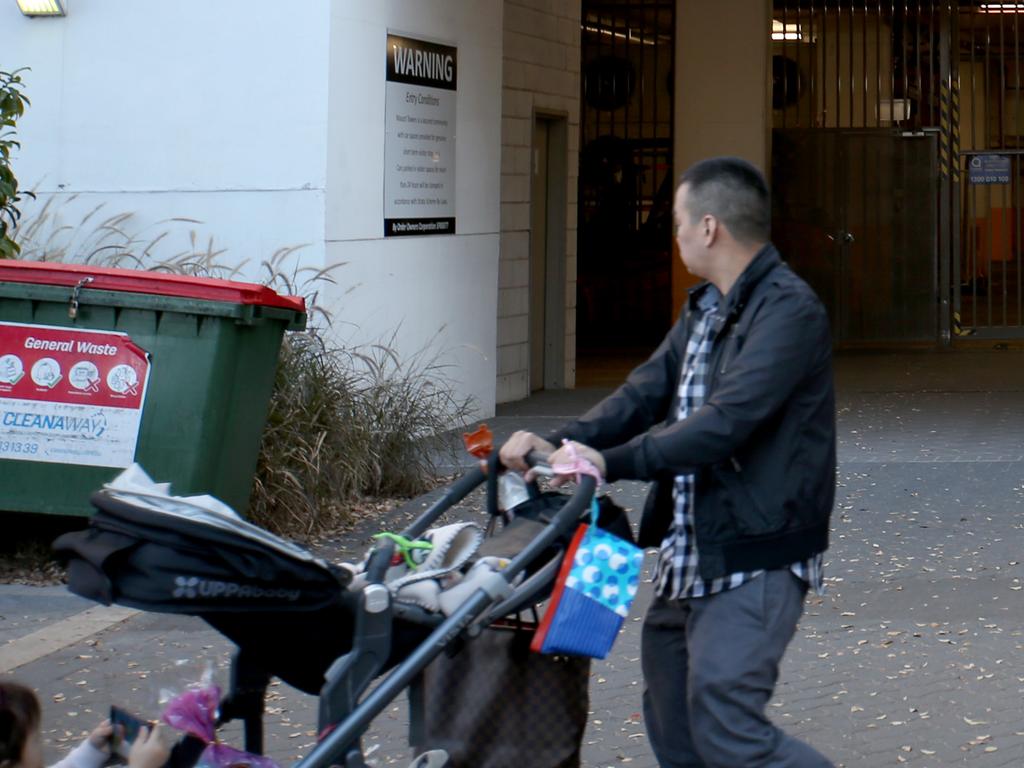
[70, 396]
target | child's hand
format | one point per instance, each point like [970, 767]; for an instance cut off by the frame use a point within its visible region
[148, 750]
[101, 735]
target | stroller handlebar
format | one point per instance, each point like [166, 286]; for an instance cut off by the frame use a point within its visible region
[564, 521]
[343, 741]
[458, 490]
[538, 460]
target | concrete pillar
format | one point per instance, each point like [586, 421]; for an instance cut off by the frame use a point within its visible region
[723, 91]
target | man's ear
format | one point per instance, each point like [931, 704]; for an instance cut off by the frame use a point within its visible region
[710, 224]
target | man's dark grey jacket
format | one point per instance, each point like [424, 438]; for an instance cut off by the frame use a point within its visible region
[763, 445]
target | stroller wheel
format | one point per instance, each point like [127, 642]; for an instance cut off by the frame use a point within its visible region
[435, 758]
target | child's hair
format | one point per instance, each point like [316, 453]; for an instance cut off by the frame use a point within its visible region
[19, 719]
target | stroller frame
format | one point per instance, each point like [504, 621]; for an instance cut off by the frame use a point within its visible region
[344, 713]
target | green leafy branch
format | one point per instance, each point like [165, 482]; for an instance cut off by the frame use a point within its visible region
[12, 106]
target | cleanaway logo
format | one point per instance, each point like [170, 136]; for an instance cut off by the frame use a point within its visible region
[192, 588]
[89, 427]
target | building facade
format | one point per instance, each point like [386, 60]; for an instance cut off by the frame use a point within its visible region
[258, 134]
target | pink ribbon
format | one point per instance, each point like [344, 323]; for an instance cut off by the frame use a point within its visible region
[577, 465]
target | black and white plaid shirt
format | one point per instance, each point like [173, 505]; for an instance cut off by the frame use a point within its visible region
[676, 575]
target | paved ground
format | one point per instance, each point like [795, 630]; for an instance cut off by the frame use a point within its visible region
[910, 659]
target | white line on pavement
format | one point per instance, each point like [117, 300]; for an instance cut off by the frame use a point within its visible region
[61, 634]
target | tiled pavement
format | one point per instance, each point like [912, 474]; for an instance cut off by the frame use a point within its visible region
[912, 658]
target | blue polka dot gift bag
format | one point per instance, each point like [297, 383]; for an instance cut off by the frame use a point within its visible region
[595, 588]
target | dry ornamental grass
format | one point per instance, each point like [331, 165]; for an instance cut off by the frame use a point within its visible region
[346, 425]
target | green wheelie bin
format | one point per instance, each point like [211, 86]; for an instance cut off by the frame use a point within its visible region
[100, 368]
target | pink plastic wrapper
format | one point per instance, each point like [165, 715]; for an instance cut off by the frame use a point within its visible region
[223, 756]
[195, 713]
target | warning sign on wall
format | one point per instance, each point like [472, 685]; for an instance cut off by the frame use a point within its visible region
[419, 137]
[70, 396]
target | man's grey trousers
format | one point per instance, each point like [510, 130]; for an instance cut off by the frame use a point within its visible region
[710, 665]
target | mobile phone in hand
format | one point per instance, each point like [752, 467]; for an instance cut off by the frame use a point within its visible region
[126, 729]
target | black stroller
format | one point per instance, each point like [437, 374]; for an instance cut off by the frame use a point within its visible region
[146, 549]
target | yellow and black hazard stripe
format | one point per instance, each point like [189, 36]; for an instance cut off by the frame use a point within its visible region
[949, 135]
[958, 328]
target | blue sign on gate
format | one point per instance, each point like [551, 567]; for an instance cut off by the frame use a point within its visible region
[988, 169]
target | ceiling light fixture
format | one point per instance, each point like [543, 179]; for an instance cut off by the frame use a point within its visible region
[783, 31]
[42, 7]
[1002, 8]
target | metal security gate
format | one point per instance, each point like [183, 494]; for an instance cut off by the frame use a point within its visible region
[858, 63]
[988, 303]
[863, 163]
[987, 297]
[625, 175]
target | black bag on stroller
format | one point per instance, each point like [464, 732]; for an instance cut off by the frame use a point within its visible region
[166, 555]
[177, 560]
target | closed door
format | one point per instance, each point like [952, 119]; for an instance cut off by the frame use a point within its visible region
[855, 214]
[549, 178]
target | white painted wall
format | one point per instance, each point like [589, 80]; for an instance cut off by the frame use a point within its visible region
[437, 292]
[267, 126]
[215, 111]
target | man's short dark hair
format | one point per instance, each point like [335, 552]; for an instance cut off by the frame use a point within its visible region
[733, 191]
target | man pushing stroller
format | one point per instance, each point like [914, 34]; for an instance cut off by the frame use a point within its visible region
[733, 419]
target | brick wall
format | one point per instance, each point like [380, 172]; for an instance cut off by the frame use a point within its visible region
[540, 74]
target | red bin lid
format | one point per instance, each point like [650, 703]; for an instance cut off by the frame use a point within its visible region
[140, 281]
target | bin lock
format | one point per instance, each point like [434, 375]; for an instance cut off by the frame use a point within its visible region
[73, 307]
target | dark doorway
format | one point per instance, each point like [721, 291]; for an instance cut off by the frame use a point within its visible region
[624, 302]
